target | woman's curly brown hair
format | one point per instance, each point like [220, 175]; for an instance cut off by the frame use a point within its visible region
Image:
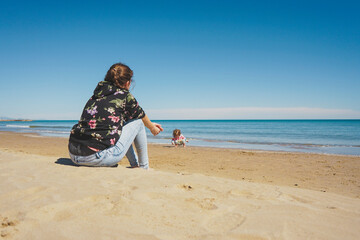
[119, 74]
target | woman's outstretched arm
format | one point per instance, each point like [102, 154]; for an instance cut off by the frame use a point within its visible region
[154, 128]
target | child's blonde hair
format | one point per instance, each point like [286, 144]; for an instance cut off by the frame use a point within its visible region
[176, 132]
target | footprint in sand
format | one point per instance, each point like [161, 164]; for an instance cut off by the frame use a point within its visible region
[7, 226]
[206, 203]
[241, 193]
[225, 223]
[258, 194]
[7, 222]
[186, 187]
[293, 198]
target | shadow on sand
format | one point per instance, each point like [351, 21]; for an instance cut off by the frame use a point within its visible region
[167, 146]
[66, 162]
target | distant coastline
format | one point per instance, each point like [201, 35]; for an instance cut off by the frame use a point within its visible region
[16, 120]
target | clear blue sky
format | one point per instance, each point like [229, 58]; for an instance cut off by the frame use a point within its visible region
[191, 59]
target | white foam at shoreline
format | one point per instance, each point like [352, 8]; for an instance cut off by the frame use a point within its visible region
[17, 126]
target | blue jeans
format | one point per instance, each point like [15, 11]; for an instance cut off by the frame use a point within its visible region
[132, 132]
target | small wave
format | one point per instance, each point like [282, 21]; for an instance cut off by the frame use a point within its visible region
[35, 126]
[63, 127]
[18, 126]
[280, 144]
[53, 132]
[261, 143]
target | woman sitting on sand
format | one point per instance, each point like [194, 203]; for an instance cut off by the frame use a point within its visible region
[110, 123]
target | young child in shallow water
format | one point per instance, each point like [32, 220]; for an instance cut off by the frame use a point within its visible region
[178, 138]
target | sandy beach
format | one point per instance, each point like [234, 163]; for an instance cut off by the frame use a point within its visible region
[190, 193]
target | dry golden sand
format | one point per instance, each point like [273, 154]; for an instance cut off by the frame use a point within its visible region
[191, 193]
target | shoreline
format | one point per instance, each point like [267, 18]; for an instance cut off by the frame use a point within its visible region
[326, 137]
[320, 172]
[259, 151]
[34, 134]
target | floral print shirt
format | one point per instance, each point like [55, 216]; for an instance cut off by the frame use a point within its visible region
[178, 140]
[104, 116]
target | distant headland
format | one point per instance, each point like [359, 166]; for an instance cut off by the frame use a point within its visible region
[15, 120]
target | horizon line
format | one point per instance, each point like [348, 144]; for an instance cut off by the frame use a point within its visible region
[198, 119]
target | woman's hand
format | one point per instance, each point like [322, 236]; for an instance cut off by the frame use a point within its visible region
[156, 129]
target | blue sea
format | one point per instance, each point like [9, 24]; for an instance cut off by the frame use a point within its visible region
[313, 136]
